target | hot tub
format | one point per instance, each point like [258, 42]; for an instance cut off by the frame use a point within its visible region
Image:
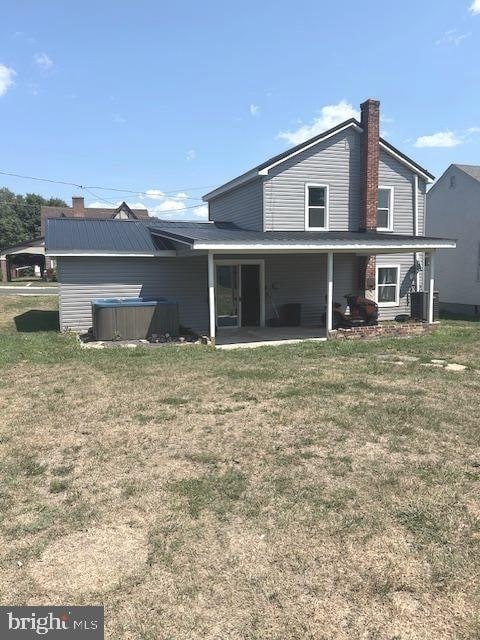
[134, 318]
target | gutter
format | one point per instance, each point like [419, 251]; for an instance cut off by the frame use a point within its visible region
[109, 254]
[339, 246]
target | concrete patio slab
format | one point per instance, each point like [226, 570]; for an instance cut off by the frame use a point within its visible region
[250, 337]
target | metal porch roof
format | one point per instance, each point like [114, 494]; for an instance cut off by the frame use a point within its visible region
[146, 237]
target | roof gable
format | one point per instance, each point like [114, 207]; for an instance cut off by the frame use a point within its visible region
[264, 168]
[124, 208]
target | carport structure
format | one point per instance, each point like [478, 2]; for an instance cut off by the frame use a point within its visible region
[32, 252]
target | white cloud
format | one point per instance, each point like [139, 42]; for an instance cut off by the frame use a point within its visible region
[173, 203]
[43, 61]
[191, 155]
[439, 139]
[330, 115]
[6, 78]
[453, 37]
[118, 119]
[154, 194]
[475, 7]
[201, 211]
[254, 110]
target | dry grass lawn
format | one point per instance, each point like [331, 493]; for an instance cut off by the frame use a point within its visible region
[310, 491]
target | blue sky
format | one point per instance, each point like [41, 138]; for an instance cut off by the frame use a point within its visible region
[175, 98]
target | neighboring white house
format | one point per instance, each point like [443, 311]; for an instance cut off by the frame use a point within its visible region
[453, 210]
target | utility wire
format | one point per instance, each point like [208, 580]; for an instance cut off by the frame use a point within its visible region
[113, 204]
[80, 186]
[193, 206]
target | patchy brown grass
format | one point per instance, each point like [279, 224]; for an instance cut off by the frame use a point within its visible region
[308, 491]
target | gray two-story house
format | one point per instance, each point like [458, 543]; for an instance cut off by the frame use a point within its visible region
[338, 214]
[454, 209]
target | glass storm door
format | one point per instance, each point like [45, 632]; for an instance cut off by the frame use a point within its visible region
[228, 299]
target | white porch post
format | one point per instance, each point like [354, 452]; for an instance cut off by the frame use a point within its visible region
[211, 296]
[329, 315]
[431, 286]
[416, 255]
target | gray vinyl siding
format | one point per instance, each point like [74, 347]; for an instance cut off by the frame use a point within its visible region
[288, 278]
[454, 212]
[242, 205]
[406, 262]
[276, 202]
[393, 173]
[335, 162]
[180, 279]
[422, 206]
[302, 279]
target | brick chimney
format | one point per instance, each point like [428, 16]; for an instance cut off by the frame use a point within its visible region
[78, 204]
[370, 152]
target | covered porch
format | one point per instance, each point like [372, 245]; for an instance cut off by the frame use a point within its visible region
[249, 293]
[253, 275]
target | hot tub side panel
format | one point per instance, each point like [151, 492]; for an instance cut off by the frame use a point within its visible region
[83, 279]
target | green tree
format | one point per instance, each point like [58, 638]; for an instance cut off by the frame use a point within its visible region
[20, 216]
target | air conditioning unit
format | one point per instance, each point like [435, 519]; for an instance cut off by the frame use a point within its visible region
[419, 305]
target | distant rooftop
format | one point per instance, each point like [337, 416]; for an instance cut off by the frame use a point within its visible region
[79, 210]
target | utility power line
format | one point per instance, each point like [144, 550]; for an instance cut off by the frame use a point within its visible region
[86, 187]
[114, 205]
[193, 206]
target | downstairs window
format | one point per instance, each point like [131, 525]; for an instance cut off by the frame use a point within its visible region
[388, 285]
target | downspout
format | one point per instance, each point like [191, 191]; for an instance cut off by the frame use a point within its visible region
[415, 229]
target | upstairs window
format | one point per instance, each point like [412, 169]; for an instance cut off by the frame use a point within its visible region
[316, 207]
[388, 285]
[385, 209]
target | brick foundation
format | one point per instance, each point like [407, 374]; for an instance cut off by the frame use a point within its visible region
[397, 330]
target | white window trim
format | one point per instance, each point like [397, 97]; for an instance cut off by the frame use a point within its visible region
[327, 206]
[397, 287]
[391, 208]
